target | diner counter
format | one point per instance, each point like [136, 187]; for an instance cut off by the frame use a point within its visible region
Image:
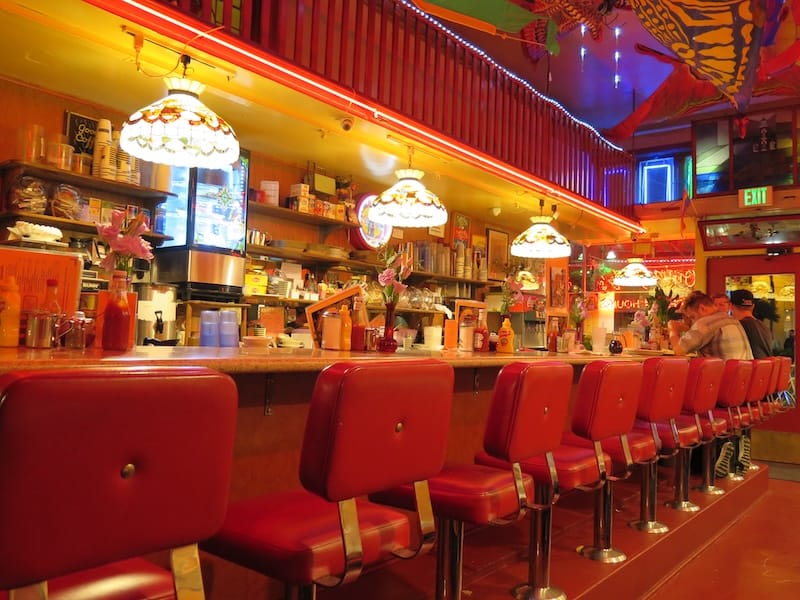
[265, 360]
[274, 387]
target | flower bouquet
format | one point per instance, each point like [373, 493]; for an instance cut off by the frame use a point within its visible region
[124, 242]
[512, 294]
[397, 266]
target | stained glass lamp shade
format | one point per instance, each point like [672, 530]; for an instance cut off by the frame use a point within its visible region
[634, 274]
[180, 130]
[408, 203]
[540, 240]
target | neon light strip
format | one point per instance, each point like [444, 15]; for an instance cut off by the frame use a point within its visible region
[313, 84]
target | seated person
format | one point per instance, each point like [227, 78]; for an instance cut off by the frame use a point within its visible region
[742, 305]
[708, 332]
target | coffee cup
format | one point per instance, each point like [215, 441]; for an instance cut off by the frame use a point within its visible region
[432, 336]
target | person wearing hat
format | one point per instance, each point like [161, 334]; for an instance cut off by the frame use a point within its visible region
[742, 305]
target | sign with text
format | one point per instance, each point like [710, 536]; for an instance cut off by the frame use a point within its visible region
[755, 197]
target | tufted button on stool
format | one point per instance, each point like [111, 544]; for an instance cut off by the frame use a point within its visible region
[371, 426]
[605, 407]
[106, 465]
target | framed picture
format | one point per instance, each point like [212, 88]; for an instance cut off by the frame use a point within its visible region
[80, 132]
[461, 226]
[497, 253]
[750, 232]
[558, 287]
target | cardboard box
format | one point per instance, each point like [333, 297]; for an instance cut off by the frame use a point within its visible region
[299, 190]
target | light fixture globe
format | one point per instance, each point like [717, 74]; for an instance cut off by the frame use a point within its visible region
[635, 274]
[408, 203]
[180, 130]
[540, 240]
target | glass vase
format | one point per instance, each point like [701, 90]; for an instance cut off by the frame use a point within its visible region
[387, 343]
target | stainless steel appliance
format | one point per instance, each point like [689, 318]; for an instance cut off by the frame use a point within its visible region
[206, 217]
[156, 318]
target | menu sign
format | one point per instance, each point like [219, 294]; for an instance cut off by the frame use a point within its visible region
[80, 132]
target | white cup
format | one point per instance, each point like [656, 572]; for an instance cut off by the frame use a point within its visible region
[599, 340]
[432, 334]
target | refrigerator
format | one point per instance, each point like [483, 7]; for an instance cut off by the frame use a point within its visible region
[206, 217]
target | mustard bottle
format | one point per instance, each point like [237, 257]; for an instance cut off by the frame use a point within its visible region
[505, 338]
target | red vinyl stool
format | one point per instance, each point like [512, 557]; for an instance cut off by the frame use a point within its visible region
[660, 402]
[605, 407]
[371, 425]
[732, 394]
[696, 426]
[757, 391]
[522, 422]
[784, 386]
[770, 405]
[104, 465]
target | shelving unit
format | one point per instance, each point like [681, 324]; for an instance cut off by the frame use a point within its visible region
[325, 225]
[11, 170]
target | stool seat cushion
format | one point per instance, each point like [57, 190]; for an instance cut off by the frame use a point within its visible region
[688, 436]
[735, 419]
[469, 493]
[132, 579]
[711, 428]
[575, 466]
[642, 446]
[295, 536]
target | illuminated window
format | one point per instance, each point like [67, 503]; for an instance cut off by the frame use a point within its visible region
[656, 180]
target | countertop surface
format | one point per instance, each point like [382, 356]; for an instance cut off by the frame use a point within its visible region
[266, 360]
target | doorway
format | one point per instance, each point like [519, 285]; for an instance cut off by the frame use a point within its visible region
[773, 281]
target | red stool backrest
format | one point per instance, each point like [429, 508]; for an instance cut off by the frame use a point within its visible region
[528, 410]
[663, 388]
[608, 394]
[376, 425]
[784, 378]
[102, 464]
[759, 380]
[774, 374]
[703, 384]
[735, 382]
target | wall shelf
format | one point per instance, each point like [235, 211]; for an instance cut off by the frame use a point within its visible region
[325, 224]
[84, 182]
[17, 215]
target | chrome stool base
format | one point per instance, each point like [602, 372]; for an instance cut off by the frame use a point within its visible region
[604, 555]
[711, 490]
[526, 592]
[683, 505]
[649, 526]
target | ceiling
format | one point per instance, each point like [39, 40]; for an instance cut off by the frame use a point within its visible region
[80, 51]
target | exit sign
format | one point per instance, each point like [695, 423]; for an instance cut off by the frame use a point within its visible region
[754, 197]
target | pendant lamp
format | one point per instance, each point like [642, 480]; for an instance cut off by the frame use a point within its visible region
[634, 274]
[541, 240]
[408, 203]
[180, 130]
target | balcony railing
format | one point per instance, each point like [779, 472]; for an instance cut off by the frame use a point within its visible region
[387, 52]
